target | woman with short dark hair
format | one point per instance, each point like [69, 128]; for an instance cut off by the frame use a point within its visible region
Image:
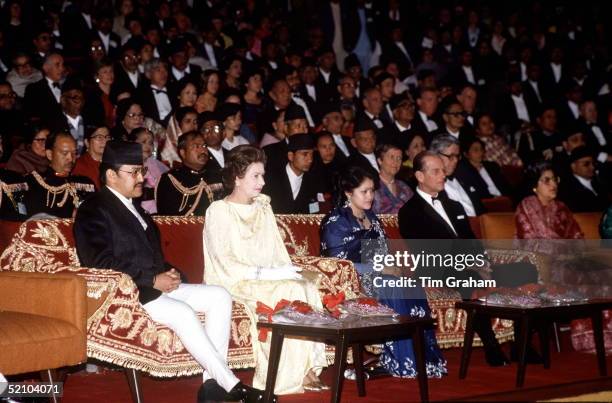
[244, 252]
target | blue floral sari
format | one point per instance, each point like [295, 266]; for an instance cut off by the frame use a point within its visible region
[341, 237]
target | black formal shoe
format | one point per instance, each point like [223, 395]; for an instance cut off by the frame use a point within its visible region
[496, 358]
[211, 392]
[247, 394]
[532, 356]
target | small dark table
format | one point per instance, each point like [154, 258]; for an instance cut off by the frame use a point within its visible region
[356, 334]
[541, 317]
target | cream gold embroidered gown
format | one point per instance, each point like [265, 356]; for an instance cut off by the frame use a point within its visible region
[237, 238]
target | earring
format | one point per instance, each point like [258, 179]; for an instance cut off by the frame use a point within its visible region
[347, 203]
[534, 190]
[97, 80]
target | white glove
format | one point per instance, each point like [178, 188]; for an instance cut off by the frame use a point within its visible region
[275, 273]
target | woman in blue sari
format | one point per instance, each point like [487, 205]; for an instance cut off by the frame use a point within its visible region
[342, 233]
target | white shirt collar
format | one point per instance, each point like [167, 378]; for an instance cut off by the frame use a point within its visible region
[74, 122]
[587, 183]
[402, 128]
[294, 180]
[218, 154]
[325, 75]
[372, 160]
[427, 197]
[130, 206]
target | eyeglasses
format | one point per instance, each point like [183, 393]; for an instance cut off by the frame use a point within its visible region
[213, 129]
[451, 156]
[131, 57]
[137, 171]
[40, 140]
[198, 146]
[95, 48]
[549, 179]
[135, 115]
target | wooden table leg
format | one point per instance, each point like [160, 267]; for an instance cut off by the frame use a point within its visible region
[276, 347]
[468, 339]
[545, 343]
[340, 361]
[359, 375]
[418, 343]
[596, 321]
[522, 346]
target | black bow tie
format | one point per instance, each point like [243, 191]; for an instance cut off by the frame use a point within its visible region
[160, 91]
[434, 198]
[56, 85]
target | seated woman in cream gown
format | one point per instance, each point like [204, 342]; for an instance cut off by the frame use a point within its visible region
[244, 252]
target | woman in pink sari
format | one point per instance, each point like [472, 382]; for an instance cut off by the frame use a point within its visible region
[548, 226]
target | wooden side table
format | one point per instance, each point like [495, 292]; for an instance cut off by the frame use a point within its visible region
[355, 334]
[541, 316]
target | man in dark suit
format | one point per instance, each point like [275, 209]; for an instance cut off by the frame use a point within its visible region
[293, 189]
[403, 110]
[431, 215]
[127, 77]
[76, 22]
[453, 116]
[581, 190]
[311, 90]
[364, 141]
[373, 109]
[113, 233]
[180, 68]
[42, 98]
[447, 147]
[103, 30]
[156, 97]
[333, 121]
[211, 127]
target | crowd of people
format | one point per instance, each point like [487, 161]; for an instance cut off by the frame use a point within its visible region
[436, 111]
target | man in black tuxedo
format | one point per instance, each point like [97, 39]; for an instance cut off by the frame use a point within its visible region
[111, 232]
[333, 121]
[403, 110]
[431, 215]
[364, 141]
[211, 127]
[180, 68]
[373, 109]
[447, 147]
[582, 191]
[293, 189]
[103, 30]
[42, 98]
[156, 97]
[128, 79]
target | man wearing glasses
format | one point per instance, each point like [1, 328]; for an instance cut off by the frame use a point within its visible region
[111, 232]
[128, 79]
[212, 131]
[454, 118]
[185, 190]
[447, 147]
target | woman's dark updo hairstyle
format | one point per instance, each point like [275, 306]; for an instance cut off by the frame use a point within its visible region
[534, 172]
[237, 163]
[348, 180]
[123, 107]
[133, 135]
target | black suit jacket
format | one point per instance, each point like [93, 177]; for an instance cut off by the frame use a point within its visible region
[579, 199]
[40, 104]
[146, 98]
[279, 189]
[357, 159]
[213, 168]
[109, 236]
[470, 178]
[123, 83]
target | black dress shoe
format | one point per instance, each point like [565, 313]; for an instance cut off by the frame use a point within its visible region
[247, 394]
[532, 356]
[496, 358]
[211, 392]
